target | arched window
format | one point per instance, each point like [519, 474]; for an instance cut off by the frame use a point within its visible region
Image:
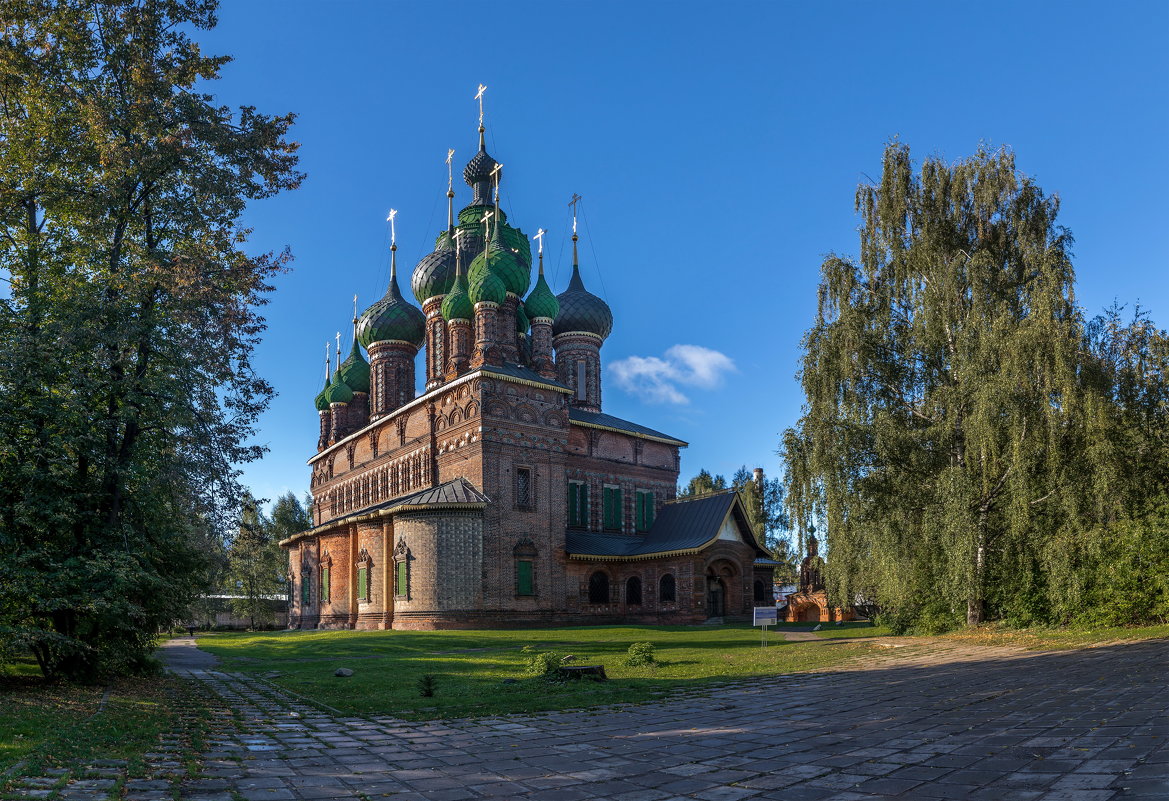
[758, 592]
[666, 589]
[633, 591]
[598, 588]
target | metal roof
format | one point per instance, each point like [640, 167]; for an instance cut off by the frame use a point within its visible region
[683, 525]
[607, 421]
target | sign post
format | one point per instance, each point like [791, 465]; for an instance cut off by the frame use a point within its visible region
[765, 616]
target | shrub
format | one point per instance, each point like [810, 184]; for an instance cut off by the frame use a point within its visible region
[543, 663]
[641, 654]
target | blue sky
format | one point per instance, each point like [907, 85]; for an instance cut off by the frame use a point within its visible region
[717, 147]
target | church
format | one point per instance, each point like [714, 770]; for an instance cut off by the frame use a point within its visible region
[503, 494]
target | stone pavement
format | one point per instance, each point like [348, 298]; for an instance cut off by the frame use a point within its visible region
[928, 722]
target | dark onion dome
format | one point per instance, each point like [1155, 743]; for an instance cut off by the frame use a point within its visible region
[522, 324]
[541, 302]
[393, 318]
[457, 304]
[581, 310]
[434, 274]
[486, 287]
[479, 168]
[321, 402]
[338, 391]
[354, 371]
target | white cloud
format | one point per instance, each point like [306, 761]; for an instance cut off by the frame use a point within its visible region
[658, 379]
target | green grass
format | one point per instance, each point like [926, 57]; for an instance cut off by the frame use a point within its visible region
[471, 666]
[1055, 638]
[58, 724]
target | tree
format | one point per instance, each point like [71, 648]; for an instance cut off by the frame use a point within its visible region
[127, 377]
[703, 484]
[946, 437]
[769, 519]
[257, 564]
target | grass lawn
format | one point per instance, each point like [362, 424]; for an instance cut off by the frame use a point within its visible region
[58, 724]
[1055, 638]
[471, 666]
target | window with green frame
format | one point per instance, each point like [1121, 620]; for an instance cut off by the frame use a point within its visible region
[306, 587]
[402, 581]
[325, 584]
[645, 510]
[578, 504]
[523, 578]
[613, 510]
[363, 582]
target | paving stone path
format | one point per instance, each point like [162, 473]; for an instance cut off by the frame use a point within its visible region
[929, 722]
[925, 721]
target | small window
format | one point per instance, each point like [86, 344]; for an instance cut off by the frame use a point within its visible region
[666, 589]
[306, 587]
[523, 578]
[580, 380]
[578, 504]
[599, 588]
[523, 488]
[612, 505]
[633, 591]
[402, 589]
[325, 585]
[645, 510]
[363, 583]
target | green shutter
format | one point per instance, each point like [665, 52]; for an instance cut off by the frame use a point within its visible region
[324, 585]
[573, 501]
[403, 589]
[363, 583]
[612, 508]
[583, 505]
[523, 578]
[645, 510]
[306, 584]
[649, 510]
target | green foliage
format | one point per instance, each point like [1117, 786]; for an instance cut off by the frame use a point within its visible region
[129, 391]
[257, 565]
[965, 432]
[703, 484]
[542, 663]
[641, 654]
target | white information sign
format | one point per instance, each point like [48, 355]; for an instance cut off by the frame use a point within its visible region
[766, 616]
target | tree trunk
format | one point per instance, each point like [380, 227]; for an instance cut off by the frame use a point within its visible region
[975, 603]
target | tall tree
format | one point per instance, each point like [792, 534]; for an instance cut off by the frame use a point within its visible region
[257, 572]
[128, 385]
[944, 434]
[703, 483]
[763, 500]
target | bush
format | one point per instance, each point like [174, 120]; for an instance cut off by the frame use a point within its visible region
[641, 654]
[543, 663]
[427, 684]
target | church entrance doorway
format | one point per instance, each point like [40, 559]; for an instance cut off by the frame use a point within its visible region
[716, 595]
[810, 614]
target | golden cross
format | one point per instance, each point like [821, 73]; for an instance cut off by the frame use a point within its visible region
[390, 220]
[355, 305]
[479, 97]
[575, 199]
[497, 173]
[450, 179]
[539, 237]
[486, 220]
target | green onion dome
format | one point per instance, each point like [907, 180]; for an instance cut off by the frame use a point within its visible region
[522, 324]
[485, 286]
[542, 303]
[354, 371]
[338, 391]
[457, 304]
[473, 215]
[392, 318]
[581, 310]
[517, 241]
[503, 263]
[321, 402]
[435, 273]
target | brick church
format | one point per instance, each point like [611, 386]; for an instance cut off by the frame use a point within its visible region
[503, 495]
